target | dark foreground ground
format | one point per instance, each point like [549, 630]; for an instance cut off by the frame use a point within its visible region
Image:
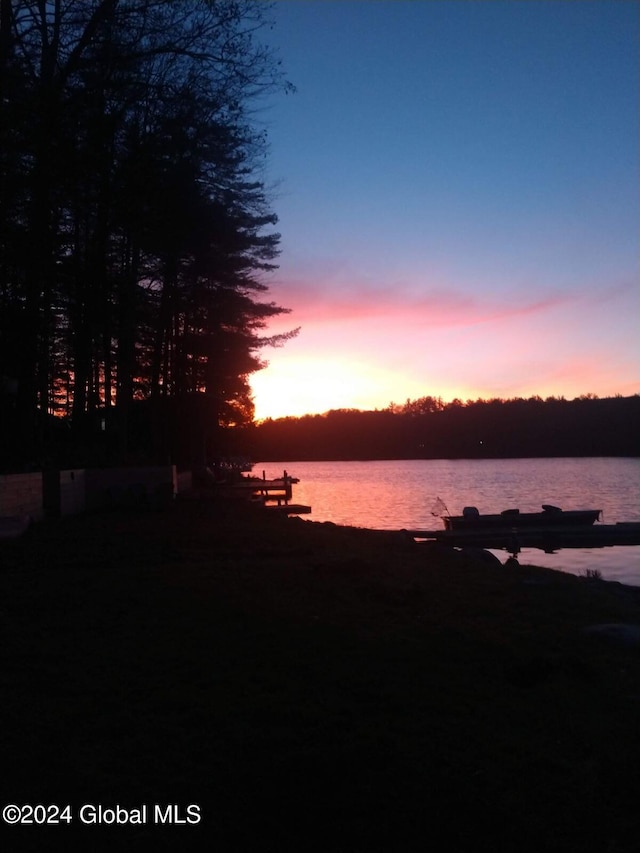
[310, 688]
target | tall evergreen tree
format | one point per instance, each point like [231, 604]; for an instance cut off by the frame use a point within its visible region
[133, 235]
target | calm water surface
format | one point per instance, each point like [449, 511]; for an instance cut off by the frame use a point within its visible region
[395, 494]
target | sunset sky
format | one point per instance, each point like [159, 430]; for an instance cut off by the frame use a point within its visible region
[457, 185]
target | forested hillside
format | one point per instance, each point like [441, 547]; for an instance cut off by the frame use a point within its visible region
[430, 429]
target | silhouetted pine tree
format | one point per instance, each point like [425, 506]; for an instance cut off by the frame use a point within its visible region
[133, 235]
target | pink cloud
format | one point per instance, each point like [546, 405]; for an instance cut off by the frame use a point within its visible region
[312, 302]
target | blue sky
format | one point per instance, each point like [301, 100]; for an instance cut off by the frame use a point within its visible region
[458, 194]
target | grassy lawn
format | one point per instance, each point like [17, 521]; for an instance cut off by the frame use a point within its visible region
[310, 688]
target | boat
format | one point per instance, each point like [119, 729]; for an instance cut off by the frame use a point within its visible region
[550, 516]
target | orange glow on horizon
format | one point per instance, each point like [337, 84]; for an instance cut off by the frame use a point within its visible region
[313, 385]
[309, 385]
[408, 350]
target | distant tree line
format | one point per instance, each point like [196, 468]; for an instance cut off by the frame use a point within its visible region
[135, 228]
[428, 428]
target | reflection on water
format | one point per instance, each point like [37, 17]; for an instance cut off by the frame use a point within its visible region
[400, 494]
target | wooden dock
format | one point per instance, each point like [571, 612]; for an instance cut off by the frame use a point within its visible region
[288, 509]
[275, 495]
[547, 539]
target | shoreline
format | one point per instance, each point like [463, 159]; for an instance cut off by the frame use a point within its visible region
[310, 685]
[398, 495]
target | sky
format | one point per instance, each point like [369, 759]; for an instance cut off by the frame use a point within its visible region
[457, 186]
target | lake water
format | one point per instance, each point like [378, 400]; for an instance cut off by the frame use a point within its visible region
[397, 494]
